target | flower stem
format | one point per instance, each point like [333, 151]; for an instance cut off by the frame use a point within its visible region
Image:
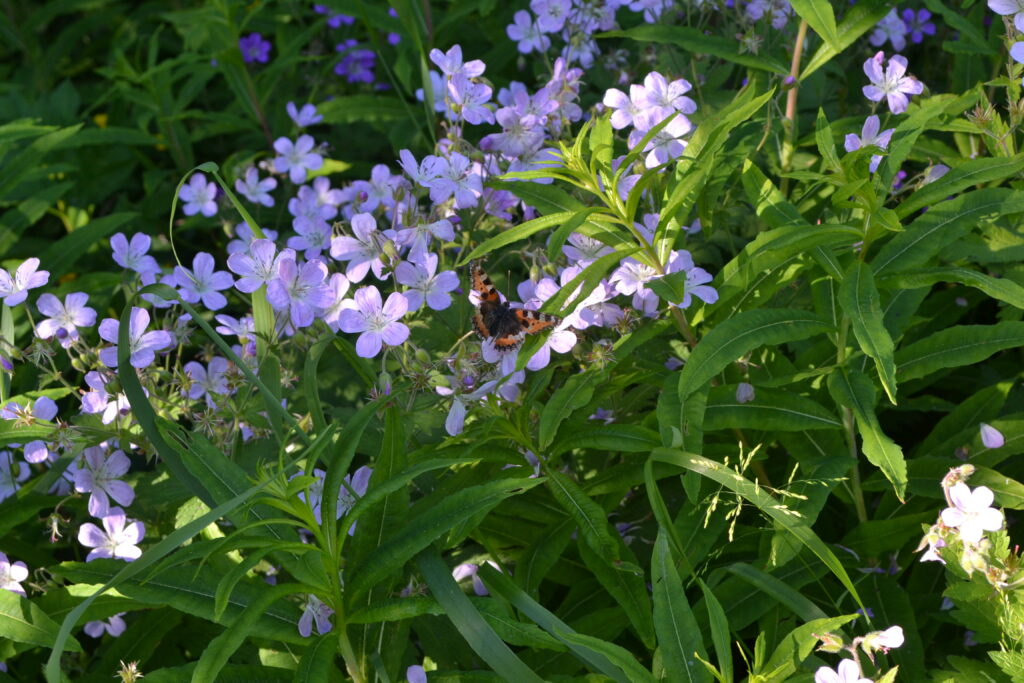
[789, 122]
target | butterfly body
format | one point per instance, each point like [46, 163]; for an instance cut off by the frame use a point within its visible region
[496, 321]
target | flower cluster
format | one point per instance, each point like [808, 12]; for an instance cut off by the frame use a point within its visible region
[895, 26]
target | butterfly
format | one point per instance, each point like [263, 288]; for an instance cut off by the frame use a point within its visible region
[496, 320]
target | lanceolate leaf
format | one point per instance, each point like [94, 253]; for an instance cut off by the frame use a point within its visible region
[818, 13]
[998, 288]
[771, 409]
[858, 20]
[517, 234]
[859, 299]
[22, 621]
[855, 391]
[968, 174]
[679, 636]
[956, 347]
[743, 333]
[573, 395]
[696, 41]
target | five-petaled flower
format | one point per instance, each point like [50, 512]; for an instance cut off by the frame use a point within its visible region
[376, 324]
[14, 288]
[12, 574]
[202, 283]
[254, 48]
[300, 290]
[972, 512]
[64, 318]
[315, 611]
[870, 136]
[199, 196]
[142, 345]
[117, 539]
[890, 83]
[100, 475]
[848, 672]
[296, 158]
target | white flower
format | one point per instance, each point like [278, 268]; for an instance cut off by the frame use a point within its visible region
[972, 513]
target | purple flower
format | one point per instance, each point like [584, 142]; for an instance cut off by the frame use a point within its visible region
[468, 570]
[470, 100]
[416, 674]
[991, 437]
[458, 177]
[203, 283]
[424, 172]
[44, 409]
[142, 345]
[1008, 7]
[663, 98]
[425, 284]
[582, 250]
[255, 190]
[451, 63]
[378, 191]
[115, 626]
[254, 48]
[245, 236]
[779, 9]
[362, 251]
[306, 116]
[869, 135]
[11, 475]
[199, 196]
[918, 24]
[64, 318]
[893, 29]
[209, 381]
[603, 415]
[353, 488]
[666, 143]
[99, 399]
[972, 512]
[744, 392]
[257, 266]
[631, 278]
[300, 290]
[418, 238]
[296, 158]
[314, 237]
[696, 279]
[527, 33]
[101, 475]
[357, 65]
[14, 289]
[133, 255]
[376, 324]
[243, 328]
[551, 14]
[893, 84]
[886, 640]
[652, 10]
[12, 574]
[462, 392]
[315, 611]
[117, 539]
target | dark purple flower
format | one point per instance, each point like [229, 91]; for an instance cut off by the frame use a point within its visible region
[254, 48]
[918, 24]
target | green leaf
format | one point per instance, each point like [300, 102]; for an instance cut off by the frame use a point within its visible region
[352, 108]
[859, 299]
[424, 526]
[62, 254]
[920, 116]
[220, 649]
[22, 621]
[769, 203]
[741, 334]
[771, 410]
[588, 515]
[943, 224]
[858, 20]
[502, 586]
[626, 585]
[779, 590]
[560, 236]
[678, 634]
[1002, 289]
[626, 438]
[818, 13]
[547, 199]
[317, 660]
[568, 398]
[968, 174]
[477, 632]
[516, 234]
[786, 518]
[853, 390]
[798, 645]
[719, 631]
[823, 135]
[956, 347]
[619, 656]
[695, 41]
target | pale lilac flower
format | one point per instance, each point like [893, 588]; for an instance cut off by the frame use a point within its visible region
[426, 284]
[451, 63]
[353, 488]
[886, 640]
[1008, 7]
[891, 28]
[325, 194]
[626, 109]
[202, 283]
[314, 237]
[527, 34]
[583, 251]
[462, 393]
[43, 410]
[99, 399]
[603, 415]
[551, 14]
[870, 135]
[673, 364]
[418, 238]
[780, 11]
[893, 84]
[934, 173]
[696, 279]
[199, 196]
[652, 9]
[991, 437]
[117, 539]
[468, 570]
[377, 324]
[459, 178]
[243, 328]
[379, 190]
[363, 251]
[972, 513]
[207, 382]
[631, 278]
[142, 345]
[848, 672]
[315, 611]
[258, 266]
[115, 626]
[12, 574]
[425, 171]
[254, 48]
[300, 290]
[666, 97]
[296, 158]
[133, 255]
[470, 100]
[11, 475]
[304, 117]
[100, 475]
[64, 318]
[255, 190]
[666, 143]
[244, 236]
[415, 674]
[339, 285]
[14, 289]
[744, 392]
[918, 24]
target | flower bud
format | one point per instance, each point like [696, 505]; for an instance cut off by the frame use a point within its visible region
[422, 356]
[830, 642]
[991, 437]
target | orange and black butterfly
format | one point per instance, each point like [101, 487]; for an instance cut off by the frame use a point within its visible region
[496, 320]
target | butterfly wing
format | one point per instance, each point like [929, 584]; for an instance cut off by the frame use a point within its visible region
[534, 321]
